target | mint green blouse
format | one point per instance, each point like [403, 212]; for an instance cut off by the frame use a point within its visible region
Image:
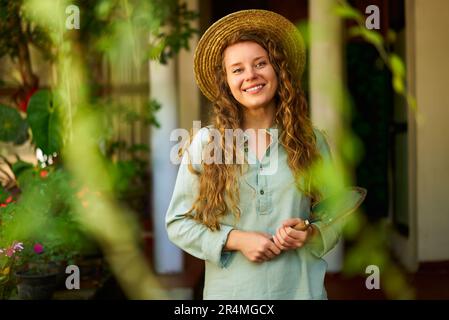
[265, 201]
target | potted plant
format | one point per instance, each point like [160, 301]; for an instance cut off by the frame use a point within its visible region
[37, 272]
[8, 257]
[40, 233]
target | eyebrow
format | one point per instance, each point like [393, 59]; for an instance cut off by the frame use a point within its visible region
[239, 63]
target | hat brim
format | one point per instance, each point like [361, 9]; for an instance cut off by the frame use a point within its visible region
[208, 51]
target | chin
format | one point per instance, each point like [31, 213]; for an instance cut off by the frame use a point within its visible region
[256, 104]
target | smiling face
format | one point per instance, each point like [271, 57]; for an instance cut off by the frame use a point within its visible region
[250, 75]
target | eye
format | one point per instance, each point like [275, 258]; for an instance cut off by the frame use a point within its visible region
[261, 64]
[237, 70]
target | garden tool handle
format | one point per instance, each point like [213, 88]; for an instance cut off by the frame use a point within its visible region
[302, 226]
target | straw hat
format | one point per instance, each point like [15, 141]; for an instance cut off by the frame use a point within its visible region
[208, 52]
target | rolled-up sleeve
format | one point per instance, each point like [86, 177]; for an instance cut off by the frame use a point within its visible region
[328, 234]
[188, 234]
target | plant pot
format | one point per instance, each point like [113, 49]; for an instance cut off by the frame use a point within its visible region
[36, 287]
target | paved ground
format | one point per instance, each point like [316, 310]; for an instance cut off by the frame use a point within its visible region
[431, 281]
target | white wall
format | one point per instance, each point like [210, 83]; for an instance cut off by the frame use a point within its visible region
[173, 85]
[326, 86]
[189, 102]
[432, 148]
[427, 48]
[167, 257]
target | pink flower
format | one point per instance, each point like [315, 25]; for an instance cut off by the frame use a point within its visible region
[12, 249]
[38, 248]
[18, 246]
[9, 252]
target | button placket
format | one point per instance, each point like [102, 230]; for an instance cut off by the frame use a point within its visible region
[263, 195]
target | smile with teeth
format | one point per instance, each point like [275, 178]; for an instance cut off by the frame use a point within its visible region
[254, 89]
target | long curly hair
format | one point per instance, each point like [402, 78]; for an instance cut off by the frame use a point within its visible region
[219, 183]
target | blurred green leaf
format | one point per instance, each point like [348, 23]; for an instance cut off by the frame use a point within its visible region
[20, 166]
[411, 102]
[22, 133]
[391, 36]
[304, 28]
[44, 120]
[155, 50]
[25, 178]
[139, 147]
[397, 65]
[398, 84]
[347, 12]
[149, 112]
[104, 9]
[124, 173]
[370, 36]
[3, 193]
[13, 128]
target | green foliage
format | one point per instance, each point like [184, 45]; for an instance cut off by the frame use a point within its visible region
[13, 128]
[49, 204]
[129, 177]
[43, 216]
[391, 60]
[146, 117]
[124, 171]
[106, 28]
[370, 36]
[371, 61]
[369, 84]
[108, 24]
[39, 225]
[44, 119]
[16, 28]
[372, 249]
[150, 110]
[347, 12]
[179, 18]
[398, 69]
[19, 167]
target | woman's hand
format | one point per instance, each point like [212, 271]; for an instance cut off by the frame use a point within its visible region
[287, 238]
[255, 246]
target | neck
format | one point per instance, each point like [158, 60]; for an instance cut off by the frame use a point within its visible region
[260, 118]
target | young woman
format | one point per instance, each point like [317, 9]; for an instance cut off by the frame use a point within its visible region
[237, 217]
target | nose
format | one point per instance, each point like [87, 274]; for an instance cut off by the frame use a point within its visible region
[250, 74]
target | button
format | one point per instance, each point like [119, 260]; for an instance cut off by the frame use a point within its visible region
[261, 192]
